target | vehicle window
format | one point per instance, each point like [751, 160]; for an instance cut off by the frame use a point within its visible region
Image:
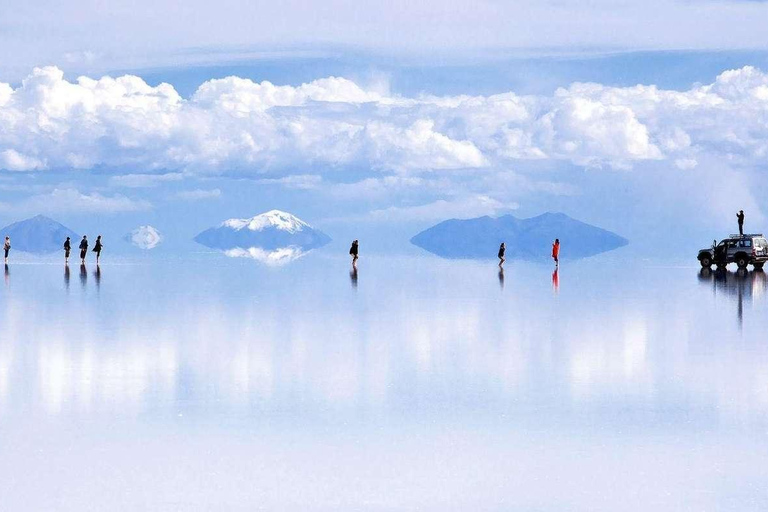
[745, 243]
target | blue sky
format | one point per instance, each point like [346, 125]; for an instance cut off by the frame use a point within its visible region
[385, 119]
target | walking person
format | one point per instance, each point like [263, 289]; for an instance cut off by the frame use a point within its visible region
[740, 218]
[502, 252]
[7, 247]
[97, 247]
[67, 249]
[83, 249]
[556, 251]
[353, 251]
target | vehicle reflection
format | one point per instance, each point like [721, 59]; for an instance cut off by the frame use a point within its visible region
[742, 285]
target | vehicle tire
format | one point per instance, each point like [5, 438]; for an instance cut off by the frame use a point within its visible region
[705, 261]
[758, 266]
[742, 261]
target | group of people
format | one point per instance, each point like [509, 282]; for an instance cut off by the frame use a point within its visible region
[97, 248]
[555, 252]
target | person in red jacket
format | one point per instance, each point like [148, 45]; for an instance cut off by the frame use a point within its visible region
[556, 251]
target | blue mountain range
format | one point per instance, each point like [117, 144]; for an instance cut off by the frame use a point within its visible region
[39, 234]
[526, 239]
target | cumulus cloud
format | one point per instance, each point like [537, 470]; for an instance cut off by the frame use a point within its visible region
[72, 200]
[198, 194]
[240, 126]
[461, 208]
[144, 180]
[145, 237]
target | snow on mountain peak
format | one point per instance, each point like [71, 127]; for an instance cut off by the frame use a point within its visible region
[272, 219]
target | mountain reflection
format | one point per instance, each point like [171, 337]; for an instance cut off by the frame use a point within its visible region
[310, 344]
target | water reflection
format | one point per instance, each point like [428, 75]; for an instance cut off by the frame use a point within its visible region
[97, 276]
[353, 276]
[274, 257]
[66, 277]
[501, 277]
[83, 276]
[556, 280]
[742, 285]
[7, 275]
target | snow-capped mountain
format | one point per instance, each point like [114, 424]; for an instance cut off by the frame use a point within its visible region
[274, 231]
[271, 219]
[39, 234]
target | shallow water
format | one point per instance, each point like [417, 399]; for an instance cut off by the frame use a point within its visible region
[204, 383]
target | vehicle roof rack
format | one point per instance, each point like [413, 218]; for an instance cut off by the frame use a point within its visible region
[745, 235]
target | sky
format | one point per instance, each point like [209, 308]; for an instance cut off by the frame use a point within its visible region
[375, 121]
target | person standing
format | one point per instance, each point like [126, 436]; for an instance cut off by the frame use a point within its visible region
[502, 252]
[740, 218]
[7, 247]
[67, 249]
[83, 249]
[556, 251]
[97, 247]
[353, 251]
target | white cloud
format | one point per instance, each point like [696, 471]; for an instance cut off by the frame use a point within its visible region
[144, 180]
[199, 194]
[145, 237]
[461, 208]
[296, 181]
[237, 125]
[72, 200]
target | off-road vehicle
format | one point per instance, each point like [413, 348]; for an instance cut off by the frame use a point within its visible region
[747, 249]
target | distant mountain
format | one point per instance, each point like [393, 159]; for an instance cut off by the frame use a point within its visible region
[527, 239]
[144, 237]
[269, 237]
[38, 235]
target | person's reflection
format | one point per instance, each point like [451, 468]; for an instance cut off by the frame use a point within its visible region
[7, 275]
[501, 277]
[556, 280]
[353, 276]
[83, 276]
[66, 277]
[97, 275]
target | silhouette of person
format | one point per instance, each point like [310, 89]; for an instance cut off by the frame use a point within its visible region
[83, 249]
[97, 247]
[66, 276]
[7, 275]
[353, 277]
[556, 251]
[83, 275]
[67, 249]
[501, 276]
[97, 275]
[353, 251]
[7, 247]
[502, 252]
[740, 219]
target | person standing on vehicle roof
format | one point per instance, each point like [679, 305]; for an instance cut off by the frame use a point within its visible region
[740, 218]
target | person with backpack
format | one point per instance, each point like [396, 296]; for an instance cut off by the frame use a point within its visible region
[353, 251]
[502, 252]
[7, 247]
[67, 249]
[83, 249]
[97, 247]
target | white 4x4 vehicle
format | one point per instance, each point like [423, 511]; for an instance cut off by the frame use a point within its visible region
[748, 249]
